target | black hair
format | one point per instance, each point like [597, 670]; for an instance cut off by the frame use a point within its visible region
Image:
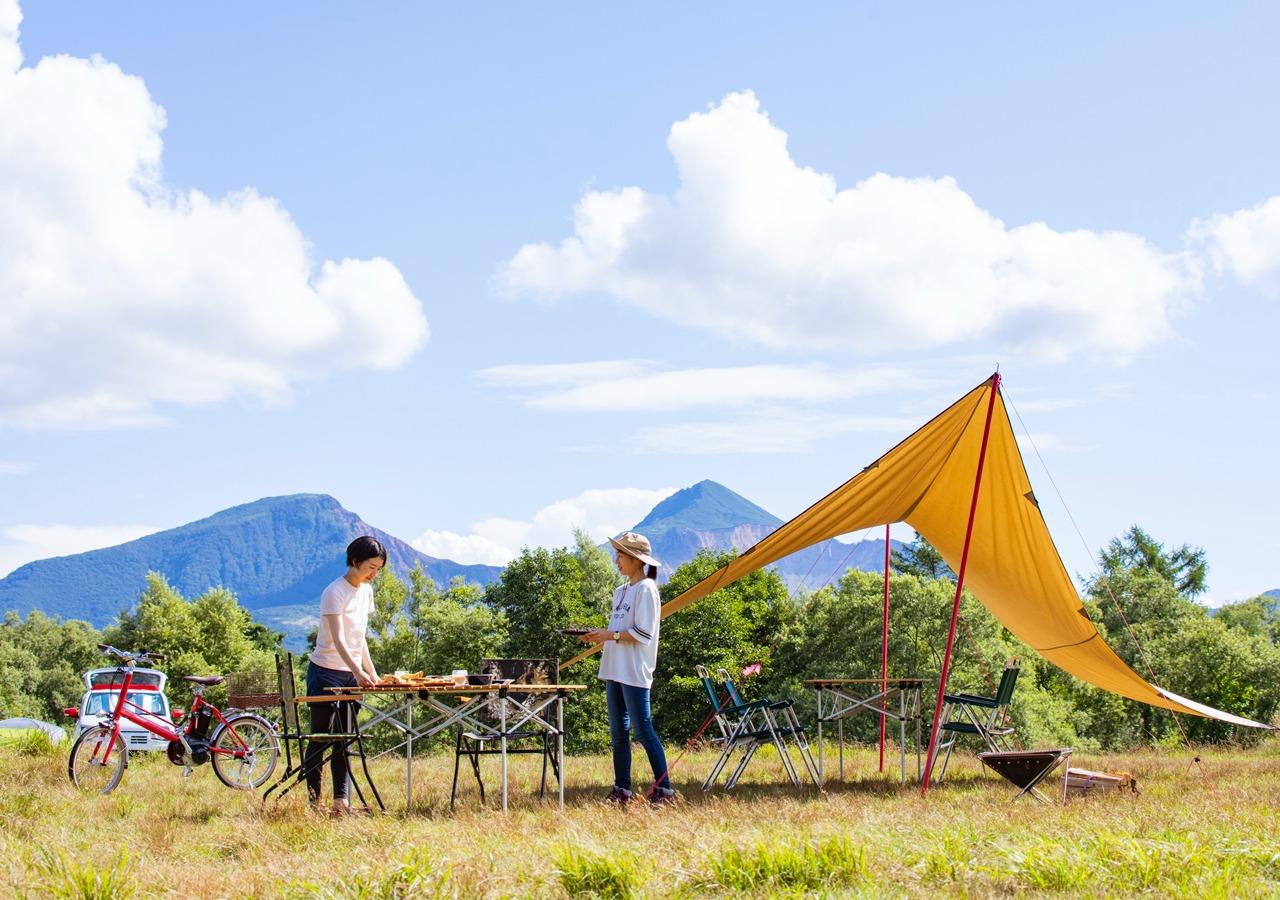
[651, 572]
[363, 549]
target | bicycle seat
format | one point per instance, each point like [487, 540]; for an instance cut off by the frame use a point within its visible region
[206, 680]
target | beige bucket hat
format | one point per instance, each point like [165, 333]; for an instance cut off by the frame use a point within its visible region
[636, 545]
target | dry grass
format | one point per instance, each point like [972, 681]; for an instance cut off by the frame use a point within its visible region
[161, 835]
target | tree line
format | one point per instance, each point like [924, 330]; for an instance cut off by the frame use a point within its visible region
[1142, 600]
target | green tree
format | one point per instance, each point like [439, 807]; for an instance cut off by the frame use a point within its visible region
[600, 576]
[391, 639]
[456, 628]
[733, 627]
[541, 592]
[920, 558]
[41, 663]
[212, 634]
[1184, 567]
[1258, 616]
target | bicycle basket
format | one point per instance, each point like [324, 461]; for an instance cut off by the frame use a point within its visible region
[253, 690]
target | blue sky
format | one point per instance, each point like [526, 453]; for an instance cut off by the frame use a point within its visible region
[484, 273]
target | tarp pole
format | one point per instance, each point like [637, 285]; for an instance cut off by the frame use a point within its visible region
[955, 605]
[884, 646]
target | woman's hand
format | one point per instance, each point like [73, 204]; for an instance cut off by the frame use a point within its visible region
[365, 680]
[596, 636]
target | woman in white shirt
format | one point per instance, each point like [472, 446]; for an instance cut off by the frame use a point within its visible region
[627, 660]
[341, 659]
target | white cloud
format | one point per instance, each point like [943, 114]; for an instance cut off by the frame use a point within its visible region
[765, 431]
[552, 375]
[1244, 244]
[122, 294]
[754, 246]
[26, 543]
[495, 542]
[597, 387]
[8, 467]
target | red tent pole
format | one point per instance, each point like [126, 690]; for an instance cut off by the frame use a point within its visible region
[955, 605]
[884, 645]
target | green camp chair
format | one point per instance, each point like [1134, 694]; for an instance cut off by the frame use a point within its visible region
[744, 728]
[779, 720]
[984, 717]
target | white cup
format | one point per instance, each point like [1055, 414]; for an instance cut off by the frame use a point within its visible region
[460, 677]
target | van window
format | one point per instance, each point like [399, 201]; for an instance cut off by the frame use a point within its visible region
[101, 702]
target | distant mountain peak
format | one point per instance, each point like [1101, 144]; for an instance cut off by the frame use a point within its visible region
[276, 551]
[705, 506]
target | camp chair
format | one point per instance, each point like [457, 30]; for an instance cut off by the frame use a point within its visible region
[743, 727]
[474, 744]
[294, 738]
[984, 717]
[781, 718]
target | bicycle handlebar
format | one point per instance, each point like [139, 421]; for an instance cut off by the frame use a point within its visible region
[140, 656]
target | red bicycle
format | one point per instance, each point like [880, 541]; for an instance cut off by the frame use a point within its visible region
[243, 746]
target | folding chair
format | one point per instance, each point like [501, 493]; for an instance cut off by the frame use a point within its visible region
[474, 744]
[744, 727]
[1028, 768]
[985, 717]
[292, 734]
[781, 719]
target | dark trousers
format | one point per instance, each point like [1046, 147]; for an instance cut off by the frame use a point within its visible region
[629, 711]
[327, 718]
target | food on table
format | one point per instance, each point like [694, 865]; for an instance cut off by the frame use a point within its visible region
[415, 679]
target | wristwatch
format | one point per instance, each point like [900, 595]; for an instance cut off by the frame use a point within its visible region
[617, 636]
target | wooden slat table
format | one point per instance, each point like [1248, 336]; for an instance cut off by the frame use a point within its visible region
[839, 698]
[513, 706]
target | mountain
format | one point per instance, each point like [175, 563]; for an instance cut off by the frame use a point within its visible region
[275, 554]
[1273, 593]
[709, 515]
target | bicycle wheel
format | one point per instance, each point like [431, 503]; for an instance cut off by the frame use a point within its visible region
[85, 766]
[255, 735]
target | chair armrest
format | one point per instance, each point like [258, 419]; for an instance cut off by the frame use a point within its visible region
[750, 707]
[970, 700]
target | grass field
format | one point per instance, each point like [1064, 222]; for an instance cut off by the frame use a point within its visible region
[1186, 834]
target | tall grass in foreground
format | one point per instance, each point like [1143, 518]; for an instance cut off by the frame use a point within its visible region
[159, 834]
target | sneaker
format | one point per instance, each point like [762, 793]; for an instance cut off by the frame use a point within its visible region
[662, 797]
[620, 796]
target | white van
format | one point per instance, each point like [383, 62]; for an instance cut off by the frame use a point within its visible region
[102, 691]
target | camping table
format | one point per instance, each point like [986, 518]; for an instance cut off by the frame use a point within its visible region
[839, 698]
[495, 711]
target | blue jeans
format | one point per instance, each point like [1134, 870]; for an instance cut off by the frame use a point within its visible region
[629, 710]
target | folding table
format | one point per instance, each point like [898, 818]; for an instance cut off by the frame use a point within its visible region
[495, 711]
[839, 698]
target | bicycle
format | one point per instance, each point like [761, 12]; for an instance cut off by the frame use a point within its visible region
[243, 748]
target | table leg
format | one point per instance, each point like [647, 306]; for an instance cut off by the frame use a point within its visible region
[840, 733]
[502, 741]
[1066, 768]
[902, 733]
[820, 776]
[919, 739]
[560, 745]
[408, 762]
